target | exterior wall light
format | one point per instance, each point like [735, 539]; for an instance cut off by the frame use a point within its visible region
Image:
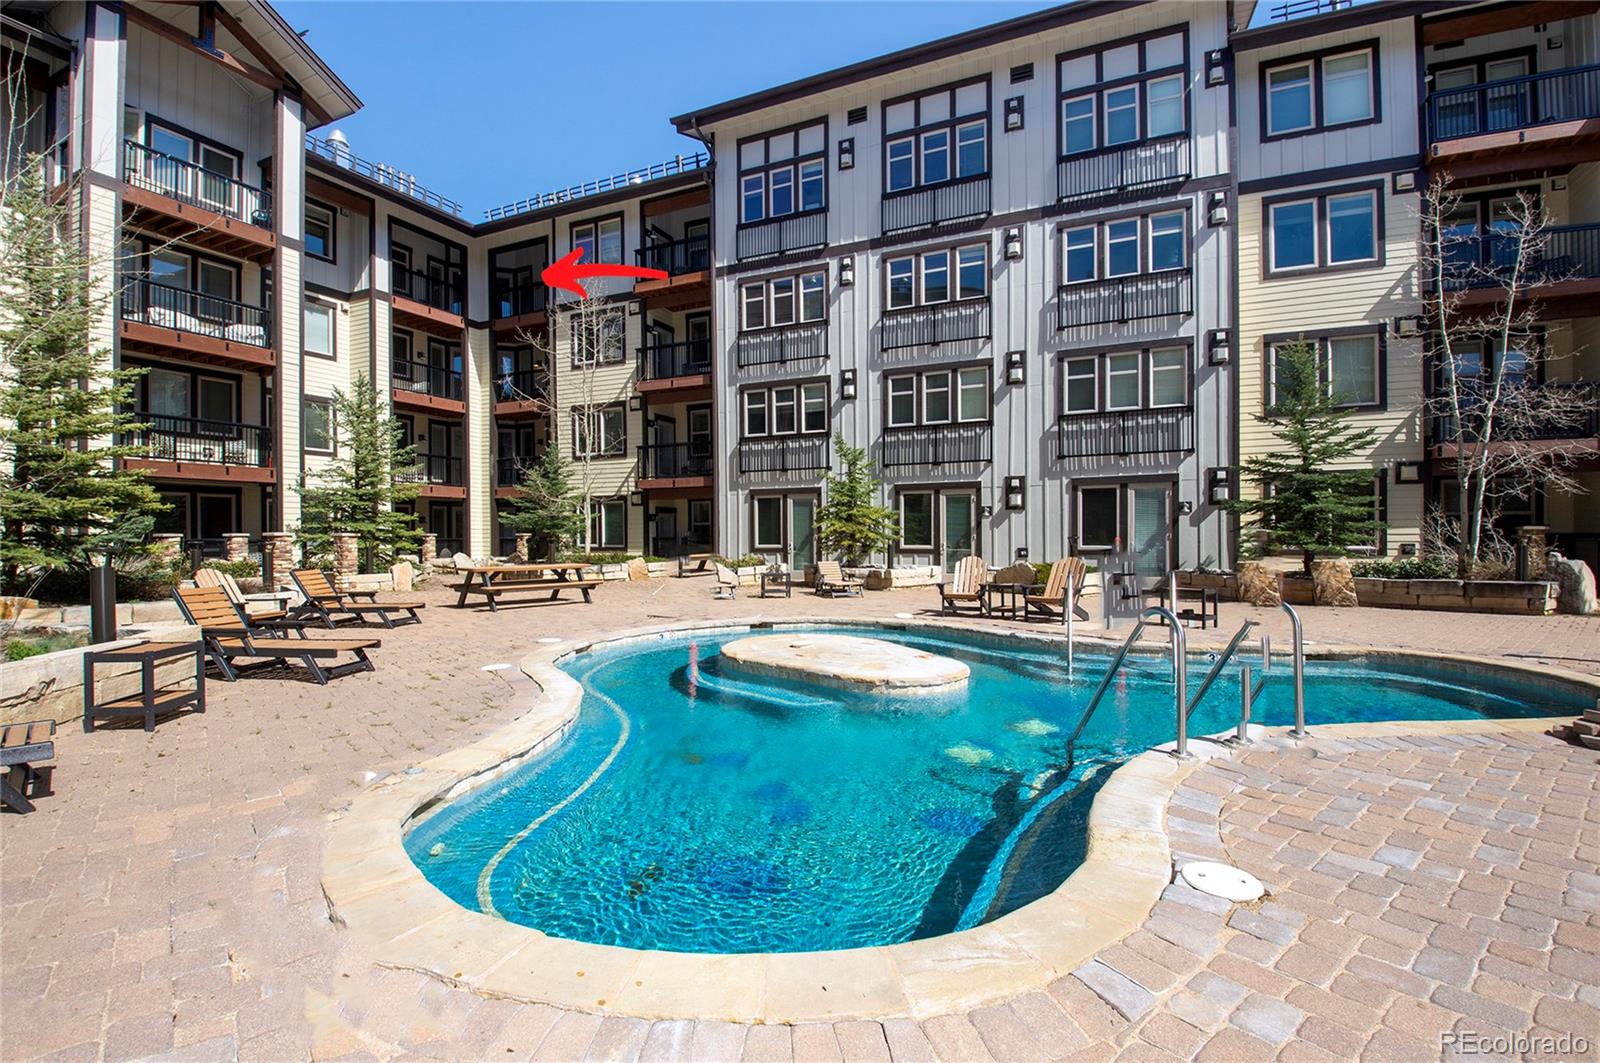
[635, 307]
[1016, 368]
[1405, 182]
[1408, 472]
[636, 498]
[1013, 244]
[847, 383]
[1219, 347]
[1217, 67]
[1408, 326]
[635, 403]
[1218, 213]
[1013, 114]
[847, 153]
[1016, 493]
[1219, 484]
[847, 272]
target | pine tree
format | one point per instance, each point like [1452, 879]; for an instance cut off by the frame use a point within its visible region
[63, 409]
[849, 523]
[545, 506]
[1305, 502]
[360, 490]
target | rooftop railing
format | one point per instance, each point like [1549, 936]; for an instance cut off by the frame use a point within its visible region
[655, 172]
[382, 173]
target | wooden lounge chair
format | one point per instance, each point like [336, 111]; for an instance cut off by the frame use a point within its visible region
[329, 605]
[1059, 593]
[965, 591]
[21, 745]
[229, 636]
[210, 577]
[832, 582]
[727, 583]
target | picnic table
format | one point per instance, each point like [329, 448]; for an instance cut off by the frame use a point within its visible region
[493, 581]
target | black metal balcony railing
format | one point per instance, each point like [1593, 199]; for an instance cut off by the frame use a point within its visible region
[667, 360]
[943, 204]
[780, 346]
[144, 167]
[421, 378]
[662, 461]
[1515, 103]
[1568, 252]
[785, 454]
[1125, 432]
[942, 444]
[509, 468]
[195, 439]
[781, 236]
[510, 300]
[1120, 299]
[186, 310]
[1551, 411]
[439, 293]
[689, 255]
[1147, 167]
[916, 326]
[523, 385]
[438, 469]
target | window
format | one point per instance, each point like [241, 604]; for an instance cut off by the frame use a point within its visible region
[1116, 95]
[916, 520]
[1133, 380]
[316, 422]
[783, 301]
[902, 401]
[935, 398]
[1332, 228]
[1169, 377]
[319, 232]
[938, 397]
[913, 280]
[1289, 108]
[1352, 227]
[609, 427]
[783, 173]
[1122, 248]
[1080, 257]
[1167, 244]
[400, 355]
[318, 338]
[1097, 517]
[597, 339]
[787, 410]
[600, 241]
[973, 387]
[1327, 91]
[936, 137]
[608, 523]
[769, 522]
[1349, 368]
[1293, 234]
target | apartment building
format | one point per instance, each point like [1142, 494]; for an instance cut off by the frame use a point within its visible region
[1002, 263]
[1038, 270]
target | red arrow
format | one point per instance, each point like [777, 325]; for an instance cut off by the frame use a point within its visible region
[566, 273]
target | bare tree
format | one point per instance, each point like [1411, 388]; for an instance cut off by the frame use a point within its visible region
[1504, 431]
[595, 330]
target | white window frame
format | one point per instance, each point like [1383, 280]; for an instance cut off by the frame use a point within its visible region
[1150, 240]
[752, 295]
[923, 152]
[1137, 241]
[922, 280]
[1181, 371]
[925, 379]
[1325, 361]
[933, 520]
[1093, 118]
[1272, 236]
[1150, 98]
[973, 378]
[910, 144]
[781, 291]
[311, 307]
[889, 277]
[331, 242]
[319, 403]
[982, 126]
[1112, 376]
[1137, 107]
[1322, 88]
[982, 253]
[755, 531]
[785, 398]
[1067, 376]
[818, 178]
[1094, 254]
[772, 191]
[1312, 87]
[757, 401]
[753, 184]
[894, 391]
[817, 282]
[1325, 210]
[813, 398]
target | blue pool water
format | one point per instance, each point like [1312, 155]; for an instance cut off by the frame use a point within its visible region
[711, 812]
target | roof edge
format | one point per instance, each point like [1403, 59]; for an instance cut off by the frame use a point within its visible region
[309, 54]
[1267, 36]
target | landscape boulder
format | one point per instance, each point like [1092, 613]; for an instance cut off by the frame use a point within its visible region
[1575, 584]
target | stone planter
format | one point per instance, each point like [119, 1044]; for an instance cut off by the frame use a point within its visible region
[661, 569]
[77, 616]
[750, 575]
[1511, 597]
[50, 686]
[901, 577]
[605, 572]
[1226, 584]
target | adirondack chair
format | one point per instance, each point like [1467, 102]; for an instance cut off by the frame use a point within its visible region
[210, 577]
[833, 583]
[966, 590]
[330, 606]
[229, 636]
[1059, 593]
[727, 583]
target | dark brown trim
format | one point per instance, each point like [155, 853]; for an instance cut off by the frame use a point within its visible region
[953, 371]
[1315, 60]
[1310, 178]
[1318, 197]
[799, 407]
[1358, 17]
[1319, 338]
[1102, 85]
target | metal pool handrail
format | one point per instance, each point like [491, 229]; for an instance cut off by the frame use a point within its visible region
[1180, 679]
[1216, 669]
[1299, 668]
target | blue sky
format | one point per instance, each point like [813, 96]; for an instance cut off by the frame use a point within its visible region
[490, 102]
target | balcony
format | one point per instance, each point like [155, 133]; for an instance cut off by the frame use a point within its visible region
[800, 455]
[921, 326]
[943, 444]
[1149, 168]
[782, 236]
[782, 346]
[689, 255]
[425, 386]
[936, 205]
[160, 317]
[439, 475]
[515, 300]
[1555, 412]
[1123, 433]
[1569, 258]
[181, 200]
[1539, 116]
[665, 465]
[686, 363]
[1118, 300]
[434, 302]
[199, 449]
[521, 391]
[508, 470]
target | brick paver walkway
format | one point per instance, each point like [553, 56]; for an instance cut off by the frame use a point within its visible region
[165, 901]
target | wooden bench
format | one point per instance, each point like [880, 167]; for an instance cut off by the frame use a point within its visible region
[21, 744]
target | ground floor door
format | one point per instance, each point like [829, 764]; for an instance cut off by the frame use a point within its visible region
[959, 520]
[1133, 518]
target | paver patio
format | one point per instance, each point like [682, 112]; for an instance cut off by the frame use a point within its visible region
[166, 901]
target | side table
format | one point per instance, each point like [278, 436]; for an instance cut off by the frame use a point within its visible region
[775, 582]
[149, 700]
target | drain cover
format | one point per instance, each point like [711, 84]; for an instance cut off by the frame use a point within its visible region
[1220, 880]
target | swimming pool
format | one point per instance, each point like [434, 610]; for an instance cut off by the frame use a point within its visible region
[691, 809]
